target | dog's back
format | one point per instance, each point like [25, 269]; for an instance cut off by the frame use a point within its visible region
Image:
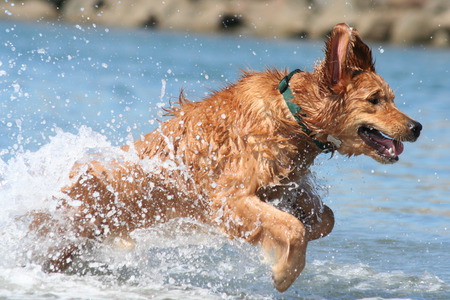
[242, 130]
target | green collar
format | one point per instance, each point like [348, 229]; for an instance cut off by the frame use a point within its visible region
[286, 91]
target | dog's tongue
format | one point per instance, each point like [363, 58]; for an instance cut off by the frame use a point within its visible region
[392, 147]
[398, 147]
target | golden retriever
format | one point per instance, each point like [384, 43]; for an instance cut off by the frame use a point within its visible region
[225, 160]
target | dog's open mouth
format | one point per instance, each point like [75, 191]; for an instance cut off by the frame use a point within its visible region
[384, 145]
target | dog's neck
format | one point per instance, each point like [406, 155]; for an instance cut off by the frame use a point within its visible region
[332, 142]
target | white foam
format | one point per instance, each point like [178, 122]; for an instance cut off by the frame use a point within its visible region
[30, 179]
[362, 278]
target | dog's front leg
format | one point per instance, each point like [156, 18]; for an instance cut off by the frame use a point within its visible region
[280, 234]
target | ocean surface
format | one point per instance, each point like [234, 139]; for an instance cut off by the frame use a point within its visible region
[68, 89]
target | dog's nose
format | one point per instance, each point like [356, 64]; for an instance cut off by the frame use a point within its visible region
[415, 128]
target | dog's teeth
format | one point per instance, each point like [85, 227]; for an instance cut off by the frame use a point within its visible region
[391, 151]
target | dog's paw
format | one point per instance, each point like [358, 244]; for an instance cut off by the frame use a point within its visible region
[290, 260]
[122, 243]
[283, 279]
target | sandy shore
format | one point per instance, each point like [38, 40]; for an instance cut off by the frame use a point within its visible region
[425, 22]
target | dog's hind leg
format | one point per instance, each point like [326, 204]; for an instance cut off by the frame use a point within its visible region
[280, 234]
[57, 243]
[304, 204]
[89, 212]
[316, 216]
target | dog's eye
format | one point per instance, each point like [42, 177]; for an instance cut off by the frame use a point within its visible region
[374, 101]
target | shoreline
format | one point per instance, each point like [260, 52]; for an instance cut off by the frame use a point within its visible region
[398, 22]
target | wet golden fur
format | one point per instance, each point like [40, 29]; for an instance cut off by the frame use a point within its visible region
[224, 159]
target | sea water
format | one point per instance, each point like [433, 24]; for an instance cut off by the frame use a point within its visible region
[66, 90]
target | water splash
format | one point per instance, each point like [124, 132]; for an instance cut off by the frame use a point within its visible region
[181, 258]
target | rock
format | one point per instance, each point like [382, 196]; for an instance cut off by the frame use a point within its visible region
[412, 27]
[180, 15]
[277, 18]
[441, 26]
[31, 10]
[376, 26]
[329, 13]
[106, 12]
[398, 21]
[197, 16]
[441, 38]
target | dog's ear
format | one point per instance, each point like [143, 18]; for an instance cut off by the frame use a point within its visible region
[360, 54]
[345, 52]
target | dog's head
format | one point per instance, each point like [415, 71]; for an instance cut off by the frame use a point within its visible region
[359, 108]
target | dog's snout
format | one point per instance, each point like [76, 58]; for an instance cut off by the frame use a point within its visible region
[415, 128]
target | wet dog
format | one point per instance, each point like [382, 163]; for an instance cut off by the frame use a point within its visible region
[227, 159]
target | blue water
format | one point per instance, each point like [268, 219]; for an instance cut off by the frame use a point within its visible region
[66, 88]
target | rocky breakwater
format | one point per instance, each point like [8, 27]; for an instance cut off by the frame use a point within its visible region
[424, 22]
